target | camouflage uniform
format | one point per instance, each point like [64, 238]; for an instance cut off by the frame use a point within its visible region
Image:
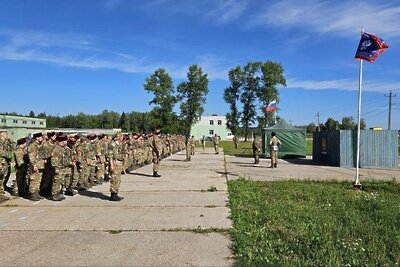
[216, 143]
[101, 159]
[62, 163]
[9, 146]
[91, 162]
[4, 155]
[81, 164]
[274, 144]
[21, 166]
[117, 155]
[37, 161]
[156, 149]
[256, 150]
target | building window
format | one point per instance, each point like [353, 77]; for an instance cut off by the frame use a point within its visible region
[3, 120]
[211, 122]
[15, 121]
[229, 134]
[33, 122]
[211, 132]
[219, 122]
[24, 122]
[41, 123]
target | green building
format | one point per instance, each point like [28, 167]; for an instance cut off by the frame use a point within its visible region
[19, 126]
[210, 125]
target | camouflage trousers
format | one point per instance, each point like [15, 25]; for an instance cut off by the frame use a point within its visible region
[116, 177]
[274, 158]
[47, 179]
[82, 173]
[91, 173]
[156, 162]
[62, 179]
[216, 148]
[256, 156]
[35, 178]
[100, 171]
[3, 170]
[188, 152]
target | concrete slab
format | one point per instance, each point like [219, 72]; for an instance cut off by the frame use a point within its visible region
[158, 218]
[300, 169]
[93, 248]
[112, 218]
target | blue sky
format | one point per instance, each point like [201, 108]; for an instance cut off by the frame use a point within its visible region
[65, 57]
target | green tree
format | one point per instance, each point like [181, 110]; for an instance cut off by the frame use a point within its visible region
[311, 128]
[124, 122]
[231, 96]
[331, 124]
[192, 95]
[161, 85]
[32, 114]
[348, 123]
[42, 115]
[250, 87]
[271, 77]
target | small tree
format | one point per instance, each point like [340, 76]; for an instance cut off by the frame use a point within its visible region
[231, 96]
[331, 124]
[32, 114]
[248, 97]
[161, 85]
[192, 95]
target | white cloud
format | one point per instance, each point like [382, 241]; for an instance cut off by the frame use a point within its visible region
[340, 18]
[343, 84]
[227, 10]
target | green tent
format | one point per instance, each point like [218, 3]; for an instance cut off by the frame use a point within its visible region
[294, 144]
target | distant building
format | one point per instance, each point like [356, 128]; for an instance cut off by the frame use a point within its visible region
[210, 125]
[20, 126]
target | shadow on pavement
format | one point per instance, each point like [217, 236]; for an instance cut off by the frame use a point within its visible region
[94, 195]
[141, 174]
[300, 161]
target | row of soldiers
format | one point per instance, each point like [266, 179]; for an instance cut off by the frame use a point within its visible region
[56, 164]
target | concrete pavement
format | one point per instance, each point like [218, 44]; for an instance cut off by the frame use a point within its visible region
[169, 221]
[300, 169]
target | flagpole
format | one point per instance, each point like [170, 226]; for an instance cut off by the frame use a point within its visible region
[276, 109]
[356, 182]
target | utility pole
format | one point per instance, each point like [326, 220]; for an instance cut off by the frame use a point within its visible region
[390, 107]
[318, 115]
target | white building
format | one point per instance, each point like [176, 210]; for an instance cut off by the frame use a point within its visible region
[210, 125]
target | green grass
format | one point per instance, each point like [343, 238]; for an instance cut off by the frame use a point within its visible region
[244, 149]
[308, 223]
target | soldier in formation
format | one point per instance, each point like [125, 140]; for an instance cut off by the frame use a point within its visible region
[55, 165]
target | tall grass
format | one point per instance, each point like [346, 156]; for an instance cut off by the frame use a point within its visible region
[308, 223]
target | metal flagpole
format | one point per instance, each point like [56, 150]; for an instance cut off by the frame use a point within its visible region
[276, 109]
[356, 182]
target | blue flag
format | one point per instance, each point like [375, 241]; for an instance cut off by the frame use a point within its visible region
[370, 47]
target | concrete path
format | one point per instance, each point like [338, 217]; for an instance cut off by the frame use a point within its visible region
[300, 169]
[170, 221]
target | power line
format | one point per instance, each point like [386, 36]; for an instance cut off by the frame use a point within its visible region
[390, 108]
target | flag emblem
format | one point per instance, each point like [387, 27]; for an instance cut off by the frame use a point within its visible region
[370, 47]
[271, 106]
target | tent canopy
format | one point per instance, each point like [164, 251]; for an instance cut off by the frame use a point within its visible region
[293, 140]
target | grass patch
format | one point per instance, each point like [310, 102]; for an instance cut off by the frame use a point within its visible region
[115, 232]
[212, 189]
[309, 223]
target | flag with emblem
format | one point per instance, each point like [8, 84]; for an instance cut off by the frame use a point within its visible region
[370, 47]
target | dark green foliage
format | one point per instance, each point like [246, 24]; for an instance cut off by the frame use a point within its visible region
[161, 85]
[192, 95]
[311, 223]
[231, 96]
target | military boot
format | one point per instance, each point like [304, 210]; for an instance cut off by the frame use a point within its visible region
[115, 197]
[71, 192]
[155, 174]
[35, 196]
[58, 197]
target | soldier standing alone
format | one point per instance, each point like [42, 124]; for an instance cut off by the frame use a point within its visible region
[156, 146]
[274, 144]
[256, 149]
[216, 143]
